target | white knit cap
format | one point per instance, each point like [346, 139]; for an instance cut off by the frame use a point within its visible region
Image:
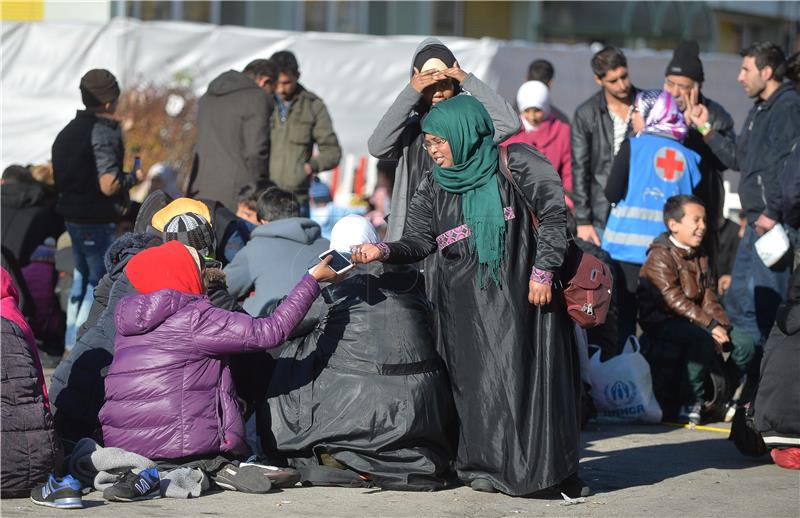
[534, 94]
[350, 231]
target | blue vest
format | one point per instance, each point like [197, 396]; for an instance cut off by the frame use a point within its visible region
[659, 168]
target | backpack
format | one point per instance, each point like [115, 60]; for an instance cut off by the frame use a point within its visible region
[587, 280]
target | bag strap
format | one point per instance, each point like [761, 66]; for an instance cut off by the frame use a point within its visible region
[507, 173]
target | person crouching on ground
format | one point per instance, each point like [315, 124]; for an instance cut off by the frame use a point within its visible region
[169, 391]
[678, 302]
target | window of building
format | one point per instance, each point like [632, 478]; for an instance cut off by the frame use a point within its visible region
[194, 11]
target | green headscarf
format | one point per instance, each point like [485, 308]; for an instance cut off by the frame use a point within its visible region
[467, 127]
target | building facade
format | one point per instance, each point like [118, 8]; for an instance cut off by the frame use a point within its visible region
[719, 26]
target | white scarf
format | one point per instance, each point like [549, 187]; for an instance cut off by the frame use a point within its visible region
[533, 94]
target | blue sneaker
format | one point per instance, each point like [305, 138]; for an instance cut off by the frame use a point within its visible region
[132, 487]
[61, 494]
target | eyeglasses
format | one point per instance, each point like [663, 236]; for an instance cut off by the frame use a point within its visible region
[427, 145]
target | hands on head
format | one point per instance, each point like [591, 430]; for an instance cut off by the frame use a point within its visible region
[422, 80]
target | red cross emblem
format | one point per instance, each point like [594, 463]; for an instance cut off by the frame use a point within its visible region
[670, 164]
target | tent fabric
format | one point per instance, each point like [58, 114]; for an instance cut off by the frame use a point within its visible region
[358, 76]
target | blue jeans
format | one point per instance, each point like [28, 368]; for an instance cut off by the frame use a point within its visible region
[89, 245]
[756, 291]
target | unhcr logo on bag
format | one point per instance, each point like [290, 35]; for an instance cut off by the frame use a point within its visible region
[619, 395]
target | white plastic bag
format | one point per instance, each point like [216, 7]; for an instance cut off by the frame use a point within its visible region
[772, 246]
[622, 387]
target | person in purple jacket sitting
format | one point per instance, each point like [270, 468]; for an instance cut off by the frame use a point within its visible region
[169, 391]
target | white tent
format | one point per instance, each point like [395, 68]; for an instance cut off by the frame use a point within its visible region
[358, 76]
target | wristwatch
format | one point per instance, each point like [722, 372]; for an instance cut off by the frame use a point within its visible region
[705, 129]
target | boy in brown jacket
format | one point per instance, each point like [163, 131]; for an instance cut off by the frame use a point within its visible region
[678, 302]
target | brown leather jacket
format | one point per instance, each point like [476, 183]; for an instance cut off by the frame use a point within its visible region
[678, 283]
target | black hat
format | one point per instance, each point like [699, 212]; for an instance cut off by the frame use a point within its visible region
[98, 87]
[686, 62]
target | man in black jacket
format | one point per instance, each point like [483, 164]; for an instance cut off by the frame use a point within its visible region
[233, 143]
[763, 146]
[684, 80]
[599, 126]
[92, 187]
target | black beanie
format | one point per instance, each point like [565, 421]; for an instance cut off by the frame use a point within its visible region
[98, 87]
[437, 51]
[686, 62]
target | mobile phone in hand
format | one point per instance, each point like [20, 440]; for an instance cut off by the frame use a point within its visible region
[339, 263]
[137, 163]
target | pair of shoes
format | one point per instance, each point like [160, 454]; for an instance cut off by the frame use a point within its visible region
[278, 477]
[247, 478]
[133, 487]
[574, 487]
[61, 494]
[482, 485]
[691, 413]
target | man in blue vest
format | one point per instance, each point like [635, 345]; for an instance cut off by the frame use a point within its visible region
[649, 169]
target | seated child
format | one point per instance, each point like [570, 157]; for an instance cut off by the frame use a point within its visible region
[169, 391]
[678, 302]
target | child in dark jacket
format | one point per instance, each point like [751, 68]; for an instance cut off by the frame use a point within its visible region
[678, 302]
[169, 391]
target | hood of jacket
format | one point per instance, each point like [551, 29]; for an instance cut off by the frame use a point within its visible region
[785, 88]
[125, 247]
[141, 313]
[299, 230]
[229, 82]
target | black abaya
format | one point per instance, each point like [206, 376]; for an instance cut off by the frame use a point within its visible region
[513, 367]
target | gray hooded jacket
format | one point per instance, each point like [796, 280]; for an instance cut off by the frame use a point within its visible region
[398, 136]
[276, 257]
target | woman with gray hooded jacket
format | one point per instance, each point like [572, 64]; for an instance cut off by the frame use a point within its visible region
[435, 77]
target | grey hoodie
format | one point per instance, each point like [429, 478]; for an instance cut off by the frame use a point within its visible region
[398, 136]
[275, 258]
[232, 138]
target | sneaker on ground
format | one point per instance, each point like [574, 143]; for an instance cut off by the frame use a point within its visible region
[691, 413]
[245, 478]
[132, 487]
[278, 477]
[61, 494]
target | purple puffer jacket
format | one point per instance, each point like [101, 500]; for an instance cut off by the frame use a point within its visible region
[169, 391]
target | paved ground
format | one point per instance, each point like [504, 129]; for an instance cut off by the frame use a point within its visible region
[635, 471]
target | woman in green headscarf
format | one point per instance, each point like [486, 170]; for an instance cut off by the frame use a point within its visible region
[501, 321]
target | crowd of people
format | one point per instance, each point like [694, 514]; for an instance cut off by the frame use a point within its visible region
[199, 341]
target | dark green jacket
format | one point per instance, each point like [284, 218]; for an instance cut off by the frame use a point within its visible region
[292, 141]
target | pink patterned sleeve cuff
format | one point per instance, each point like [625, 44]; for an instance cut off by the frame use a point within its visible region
[541, 276]
[385, 251]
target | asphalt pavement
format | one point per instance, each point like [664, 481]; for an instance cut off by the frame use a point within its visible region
[635, 470]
